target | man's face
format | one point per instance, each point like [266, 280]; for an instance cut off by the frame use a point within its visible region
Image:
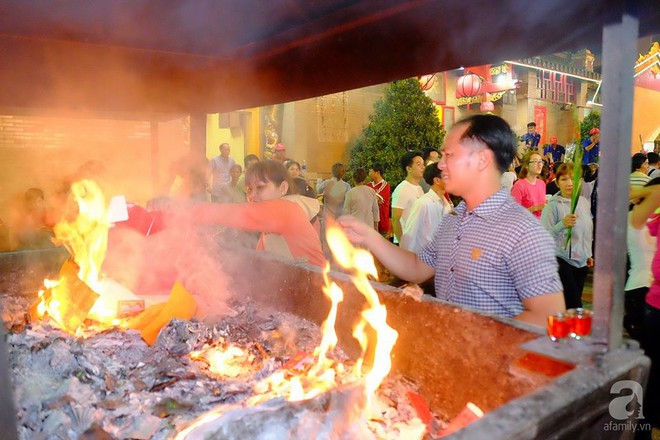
[280, 154]
[372, 175]
[416, 170]
[553, 140]
[531, 129]
[224, 150]
[434, 157]
[458, 162]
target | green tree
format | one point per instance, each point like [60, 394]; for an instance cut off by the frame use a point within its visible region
[592, 120]
[403, 120]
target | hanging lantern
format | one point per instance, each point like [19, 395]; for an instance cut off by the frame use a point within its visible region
[487, 106]
[468, 85]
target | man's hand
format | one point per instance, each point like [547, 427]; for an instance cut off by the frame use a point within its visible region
[590, 262]
[357, 231]
[399, 261]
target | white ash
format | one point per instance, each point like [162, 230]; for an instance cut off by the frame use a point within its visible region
[110, 384]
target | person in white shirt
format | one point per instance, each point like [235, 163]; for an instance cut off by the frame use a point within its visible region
[408, 191]
[221, 166]
[427, 212]
[654, 164]
[430, 155]
[509, 177]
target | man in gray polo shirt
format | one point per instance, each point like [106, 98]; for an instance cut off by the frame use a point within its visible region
[489, 254]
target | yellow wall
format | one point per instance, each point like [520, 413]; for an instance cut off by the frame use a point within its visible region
[646, 120]
[216, 136]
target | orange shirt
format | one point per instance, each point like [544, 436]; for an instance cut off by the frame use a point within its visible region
[281, 217]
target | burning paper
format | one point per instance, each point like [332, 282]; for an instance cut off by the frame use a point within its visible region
[319, 378]
[82, 292]
[66, 301]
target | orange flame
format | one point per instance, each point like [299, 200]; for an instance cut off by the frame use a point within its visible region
[87, 235]
[325, 374]
[86, 238]
[375, 316]
[223, 361]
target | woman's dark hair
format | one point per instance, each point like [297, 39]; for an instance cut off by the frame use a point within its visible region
[267, 171]
[33, 194]
[495, 133]
[300, 186]
[289, 163]
[638, 160]
[249, 158]
[564, 169]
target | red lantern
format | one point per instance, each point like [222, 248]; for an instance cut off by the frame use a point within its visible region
[468, 85]
[487, 106]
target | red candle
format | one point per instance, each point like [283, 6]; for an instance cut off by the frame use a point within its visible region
[582, 324]
[558, 326]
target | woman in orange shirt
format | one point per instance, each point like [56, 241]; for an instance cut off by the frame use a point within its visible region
[284, 219]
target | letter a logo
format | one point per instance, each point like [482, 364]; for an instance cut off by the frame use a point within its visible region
[619, 405]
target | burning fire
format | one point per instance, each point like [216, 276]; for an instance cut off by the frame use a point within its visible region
[86, 237]
[81, 292]
[304, 378]
[225, 362]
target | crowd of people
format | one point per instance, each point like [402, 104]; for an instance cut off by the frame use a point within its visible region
[496, 223]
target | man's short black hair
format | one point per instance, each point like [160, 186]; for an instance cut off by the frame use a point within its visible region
[653, 157]
[638, 160]
[531, 124]
[431, 172]
[495, 133]
[426, 152]
[336, 168]
[359, 175]
[377, 166]
[407, 159]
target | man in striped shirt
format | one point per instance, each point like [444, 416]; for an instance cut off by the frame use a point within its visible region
[489, 254]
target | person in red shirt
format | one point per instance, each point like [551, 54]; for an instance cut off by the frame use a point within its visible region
[384, 192]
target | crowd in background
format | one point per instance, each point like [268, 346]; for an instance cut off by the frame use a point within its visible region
[277, 209]
[408, 214]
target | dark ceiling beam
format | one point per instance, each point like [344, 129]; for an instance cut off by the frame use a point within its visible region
[344, 46]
